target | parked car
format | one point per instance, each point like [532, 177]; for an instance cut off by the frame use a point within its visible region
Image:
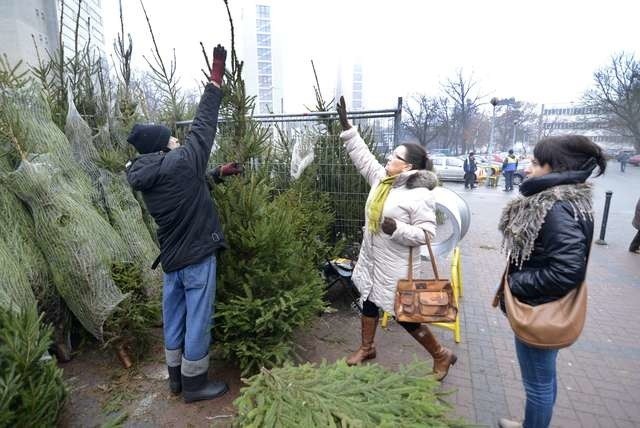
[451, 169]
[521, 173]
[634, 160]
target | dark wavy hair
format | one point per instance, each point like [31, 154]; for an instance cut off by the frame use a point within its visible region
[570, 153]
[417, 157]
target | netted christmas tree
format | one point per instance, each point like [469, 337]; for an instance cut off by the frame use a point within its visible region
[80, 234]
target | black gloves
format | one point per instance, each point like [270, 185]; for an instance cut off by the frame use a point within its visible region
[388, 226]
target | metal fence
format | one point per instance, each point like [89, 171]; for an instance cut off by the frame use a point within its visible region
[333, 171]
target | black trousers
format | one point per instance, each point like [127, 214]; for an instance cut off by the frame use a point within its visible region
[635, 243]
[469, 179]
[370, 309]
[508, 180]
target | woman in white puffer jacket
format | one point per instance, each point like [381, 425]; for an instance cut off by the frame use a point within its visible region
[399, 211]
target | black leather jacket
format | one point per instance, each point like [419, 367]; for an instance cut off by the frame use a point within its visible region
[558, 263]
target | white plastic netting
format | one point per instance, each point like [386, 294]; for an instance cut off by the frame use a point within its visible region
[78, 219]
[302, 154]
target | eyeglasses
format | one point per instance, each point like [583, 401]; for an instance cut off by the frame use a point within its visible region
[395, 155]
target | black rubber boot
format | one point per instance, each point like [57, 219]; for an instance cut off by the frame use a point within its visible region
[197, 388]
[175, 379]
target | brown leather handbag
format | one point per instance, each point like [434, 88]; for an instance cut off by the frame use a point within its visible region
[425, 300]
[552, 325]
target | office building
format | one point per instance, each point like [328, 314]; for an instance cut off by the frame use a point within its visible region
[580, 119]
[260, 48]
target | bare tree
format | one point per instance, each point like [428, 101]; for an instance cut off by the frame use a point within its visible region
[616, 93]
[462, 91]
[424, 119]
[515, 116]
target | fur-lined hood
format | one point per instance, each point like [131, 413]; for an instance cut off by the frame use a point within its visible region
[417, 178]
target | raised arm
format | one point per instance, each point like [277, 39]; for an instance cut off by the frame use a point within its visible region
[198, 143]
[364, 161]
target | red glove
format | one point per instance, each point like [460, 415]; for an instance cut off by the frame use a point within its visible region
[231, 168]
[224, 170]
[217, 67]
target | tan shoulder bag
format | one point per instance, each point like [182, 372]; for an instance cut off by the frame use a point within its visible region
[425, 300]
[552, 325]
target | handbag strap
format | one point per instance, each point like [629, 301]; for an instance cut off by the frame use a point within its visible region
[431, 257]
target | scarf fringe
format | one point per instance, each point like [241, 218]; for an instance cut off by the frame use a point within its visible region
[523, 217]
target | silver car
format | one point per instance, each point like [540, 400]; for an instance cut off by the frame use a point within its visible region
[452, 169]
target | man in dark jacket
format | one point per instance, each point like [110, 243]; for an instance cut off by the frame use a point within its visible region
[172, 180]
[470, 169]
[623, 158]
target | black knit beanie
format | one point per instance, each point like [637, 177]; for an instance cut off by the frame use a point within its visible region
[149, 138]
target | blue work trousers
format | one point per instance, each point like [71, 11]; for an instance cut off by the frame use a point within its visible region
[187, 308]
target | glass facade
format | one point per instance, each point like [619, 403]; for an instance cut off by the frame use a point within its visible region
[265, 66]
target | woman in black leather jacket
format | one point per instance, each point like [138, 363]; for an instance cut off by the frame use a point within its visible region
[547, 231]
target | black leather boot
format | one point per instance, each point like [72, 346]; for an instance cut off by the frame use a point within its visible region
[197, 388]
[175, 379]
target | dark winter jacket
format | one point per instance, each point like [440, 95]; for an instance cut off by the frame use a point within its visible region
[636, 217]
[558, 262]
[469, 165]
[176, 193]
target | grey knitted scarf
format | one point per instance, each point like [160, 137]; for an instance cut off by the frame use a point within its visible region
[523, 217]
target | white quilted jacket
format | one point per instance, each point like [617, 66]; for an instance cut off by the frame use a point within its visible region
[384, 259]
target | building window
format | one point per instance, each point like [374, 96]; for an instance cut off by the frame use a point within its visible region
[264, 54]
[264, 94]
[263, 26]
[264, 68]
[264, 81]
[262, 11]
[264, 40]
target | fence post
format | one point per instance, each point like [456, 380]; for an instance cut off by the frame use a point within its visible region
[397, 122]
[605, 216]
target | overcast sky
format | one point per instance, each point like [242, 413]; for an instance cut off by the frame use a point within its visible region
[541, 51]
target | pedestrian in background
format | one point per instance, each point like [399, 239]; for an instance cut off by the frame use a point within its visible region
[623, 158]
[470, 167]
[547, 232]
[635, 243]
[509, 167]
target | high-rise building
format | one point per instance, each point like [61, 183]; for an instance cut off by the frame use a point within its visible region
[32, 27]
[90, 24]
[260, 48]
[356, 87]
[353, 80]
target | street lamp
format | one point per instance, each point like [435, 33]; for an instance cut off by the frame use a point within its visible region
[494, 102]
[513, 143]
